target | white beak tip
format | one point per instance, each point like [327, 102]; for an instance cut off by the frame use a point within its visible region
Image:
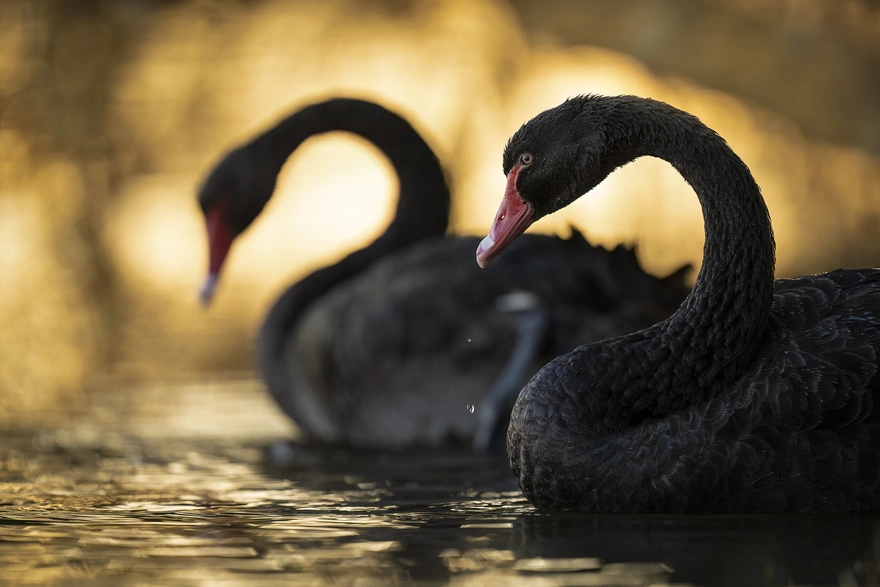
[206, 295]
[485, 246]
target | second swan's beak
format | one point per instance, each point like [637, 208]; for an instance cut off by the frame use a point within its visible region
[206, 294]
[219, 241]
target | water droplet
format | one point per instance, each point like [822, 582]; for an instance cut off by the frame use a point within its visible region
[470, 408]
[469, 340]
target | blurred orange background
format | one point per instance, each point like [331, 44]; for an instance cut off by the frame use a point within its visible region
[112, 112]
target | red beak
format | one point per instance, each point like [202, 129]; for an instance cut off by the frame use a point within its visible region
[219, 240]
[513, 218]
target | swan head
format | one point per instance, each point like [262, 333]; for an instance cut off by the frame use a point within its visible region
[231, 198]
[550, 162]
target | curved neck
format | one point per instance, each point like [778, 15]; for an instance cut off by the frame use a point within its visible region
[710, 339]
[423, 204]
[731, 299]
[422, 207]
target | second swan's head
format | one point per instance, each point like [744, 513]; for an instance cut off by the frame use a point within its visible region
[231, 197]
[550, 162]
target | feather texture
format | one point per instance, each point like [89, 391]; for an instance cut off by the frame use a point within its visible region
[756, 396]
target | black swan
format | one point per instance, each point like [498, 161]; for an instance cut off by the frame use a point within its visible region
[755, 396]
[388, 347]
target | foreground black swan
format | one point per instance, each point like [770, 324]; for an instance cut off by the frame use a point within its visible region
[754, 396]
[387, 347]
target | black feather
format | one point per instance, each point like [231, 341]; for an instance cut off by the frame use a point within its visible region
[755, 396]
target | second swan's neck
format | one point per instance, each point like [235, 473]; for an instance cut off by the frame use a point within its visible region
[709, 340]
[422, 207]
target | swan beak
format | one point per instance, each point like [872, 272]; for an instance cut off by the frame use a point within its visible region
[513, 218]
[219, 241]
[206, 294]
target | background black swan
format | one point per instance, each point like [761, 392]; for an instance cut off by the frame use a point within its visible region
[754, 396]
[387, 347]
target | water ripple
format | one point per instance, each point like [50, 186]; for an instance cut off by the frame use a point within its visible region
[100, 502]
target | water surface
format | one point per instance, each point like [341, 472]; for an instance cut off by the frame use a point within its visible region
[197, 485]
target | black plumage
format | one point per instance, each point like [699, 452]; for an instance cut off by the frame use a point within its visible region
[756, 395]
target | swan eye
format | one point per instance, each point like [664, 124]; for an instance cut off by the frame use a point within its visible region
[526, 159]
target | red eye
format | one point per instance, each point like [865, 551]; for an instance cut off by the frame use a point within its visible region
[526, 159]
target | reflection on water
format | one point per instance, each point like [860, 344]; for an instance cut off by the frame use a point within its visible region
[177, 486]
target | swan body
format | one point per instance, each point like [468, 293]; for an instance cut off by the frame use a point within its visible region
[388, 347]
[756, 396]
[393, 357]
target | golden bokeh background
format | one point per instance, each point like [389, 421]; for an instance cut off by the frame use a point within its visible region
[111, 112]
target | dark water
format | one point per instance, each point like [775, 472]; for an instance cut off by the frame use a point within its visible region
[176, 486]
